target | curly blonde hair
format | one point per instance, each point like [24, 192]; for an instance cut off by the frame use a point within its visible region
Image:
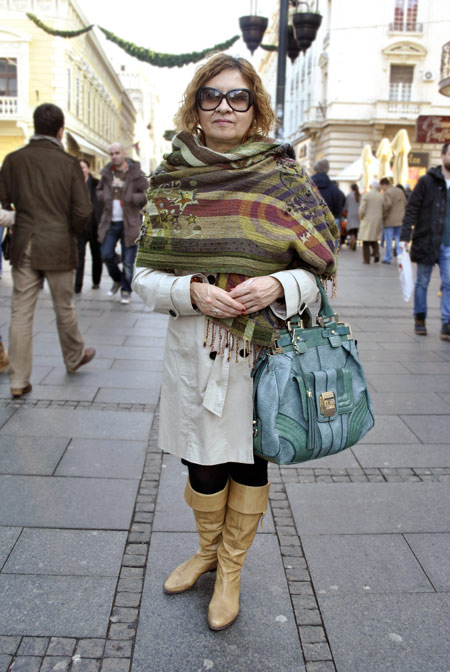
[187, 118]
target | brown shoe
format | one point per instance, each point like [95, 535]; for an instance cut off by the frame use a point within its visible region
[4, 361]
[18, 392]
[88, 356]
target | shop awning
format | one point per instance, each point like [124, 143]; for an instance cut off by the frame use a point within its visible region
[86, 145]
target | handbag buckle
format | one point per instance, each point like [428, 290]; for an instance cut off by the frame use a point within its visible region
[327, 404]
[276, 349]
[323, 321]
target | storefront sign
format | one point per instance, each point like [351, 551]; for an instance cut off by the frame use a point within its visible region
[433, 129]
[418, 159]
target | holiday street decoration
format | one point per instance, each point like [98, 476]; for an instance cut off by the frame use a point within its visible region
[165, 60]
[58, 33]
[156, 58]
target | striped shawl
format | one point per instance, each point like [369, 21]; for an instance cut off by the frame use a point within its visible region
[247, 213]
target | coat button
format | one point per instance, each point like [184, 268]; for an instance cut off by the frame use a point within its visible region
[172, 312]
[211, 279]
[244, 353]
[213, 354]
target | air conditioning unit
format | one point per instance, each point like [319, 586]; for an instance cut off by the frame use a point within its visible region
[428, 76]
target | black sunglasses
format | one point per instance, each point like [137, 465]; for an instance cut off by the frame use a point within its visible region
[208, 99]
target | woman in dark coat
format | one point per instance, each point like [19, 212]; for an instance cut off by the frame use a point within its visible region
[89, 235]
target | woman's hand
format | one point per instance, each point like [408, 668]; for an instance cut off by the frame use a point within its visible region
[214, 301]
[257, 293]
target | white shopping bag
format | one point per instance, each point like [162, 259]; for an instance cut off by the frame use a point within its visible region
[406, 272]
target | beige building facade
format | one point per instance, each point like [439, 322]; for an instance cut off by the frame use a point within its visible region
[74, 74]
[372, 70]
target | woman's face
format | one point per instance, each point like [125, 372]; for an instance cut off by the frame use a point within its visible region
[224, 128]
[84, 169]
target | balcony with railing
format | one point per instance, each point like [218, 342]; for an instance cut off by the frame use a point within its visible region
[397, 109]
[405, 27]
[9, 107]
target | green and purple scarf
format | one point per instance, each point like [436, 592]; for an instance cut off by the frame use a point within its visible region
[243, 214]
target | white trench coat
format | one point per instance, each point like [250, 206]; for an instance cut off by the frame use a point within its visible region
[206, 403]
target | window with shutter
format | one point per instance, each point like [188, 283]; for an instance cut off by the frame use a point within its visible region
[400, 82]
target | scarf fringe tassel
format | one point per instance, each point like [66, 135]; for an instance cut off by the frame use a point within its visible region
[218, 339]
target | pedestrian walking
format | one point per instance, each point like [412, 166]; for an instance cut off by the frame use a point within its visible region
[228, 213]
[90, 234]
[122, 192]
[47, 189]
[427, 225]
[7, 218]
[394, 205]
[371, 216]
[329, 191]
[351, 207]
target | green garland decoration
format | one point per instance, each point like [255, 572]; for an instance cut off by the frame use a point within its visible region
[165, 60]
[58, 33]
[147, 55]
[269, 47]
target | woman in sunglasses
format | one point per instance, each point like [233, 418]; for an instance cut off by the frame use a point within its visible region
[232, 229]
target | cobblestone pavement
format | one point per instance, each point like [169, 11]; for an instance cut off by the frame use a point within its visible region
[90, 511]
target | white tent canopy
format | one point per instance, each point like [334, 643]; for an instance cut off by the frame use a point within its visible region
[353, 171]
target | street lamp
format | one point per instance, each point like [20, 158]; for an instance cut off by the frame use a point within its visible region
[294, 40]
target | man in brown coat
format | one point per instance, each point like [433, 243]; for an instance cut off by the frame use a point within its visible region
[394, 205]
[46, 187]
[122, 192]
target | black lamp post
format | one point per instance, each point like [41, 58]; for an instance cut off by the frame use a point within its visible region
[306, 25]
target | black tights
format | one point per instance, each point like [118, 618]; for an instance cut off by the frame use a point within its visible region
[208, 479]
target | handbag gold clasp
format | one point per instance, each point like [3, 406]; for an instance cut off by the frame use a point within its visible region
[327, 404]
[323, 321]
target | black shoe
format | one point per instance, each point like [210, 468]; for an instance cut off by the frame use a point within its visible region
[96, 286]
[376, 260]
[419, 324]
[445, 331]
[77, 289]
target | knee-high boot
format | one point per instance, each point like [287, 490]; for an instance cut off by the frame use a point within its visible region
[245, 507]
[209, 512]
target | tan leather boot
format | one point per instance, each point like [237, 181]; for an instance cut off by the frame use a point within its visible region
[245, 507]
[209, 512]
[4, 361]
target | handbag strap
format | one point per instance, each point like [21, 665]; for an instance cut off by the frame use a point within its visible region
[326, 310]
[325, 314]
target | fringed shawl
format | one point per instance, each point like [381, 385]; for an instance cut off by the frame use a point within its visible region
[243, 214]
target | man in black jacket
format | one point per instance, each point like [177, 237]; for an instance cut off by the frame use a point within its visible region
[428, 217]
[328, 189]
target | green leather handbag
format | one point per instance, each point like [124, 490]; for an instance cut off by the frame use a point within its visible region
[310, 397]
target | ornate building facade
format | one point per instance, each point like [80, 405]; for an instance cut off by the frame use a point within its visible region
[372, 70]
[74, 74]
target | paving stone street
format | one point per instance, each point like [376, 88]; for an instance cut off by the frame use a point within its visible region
[350, 573]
